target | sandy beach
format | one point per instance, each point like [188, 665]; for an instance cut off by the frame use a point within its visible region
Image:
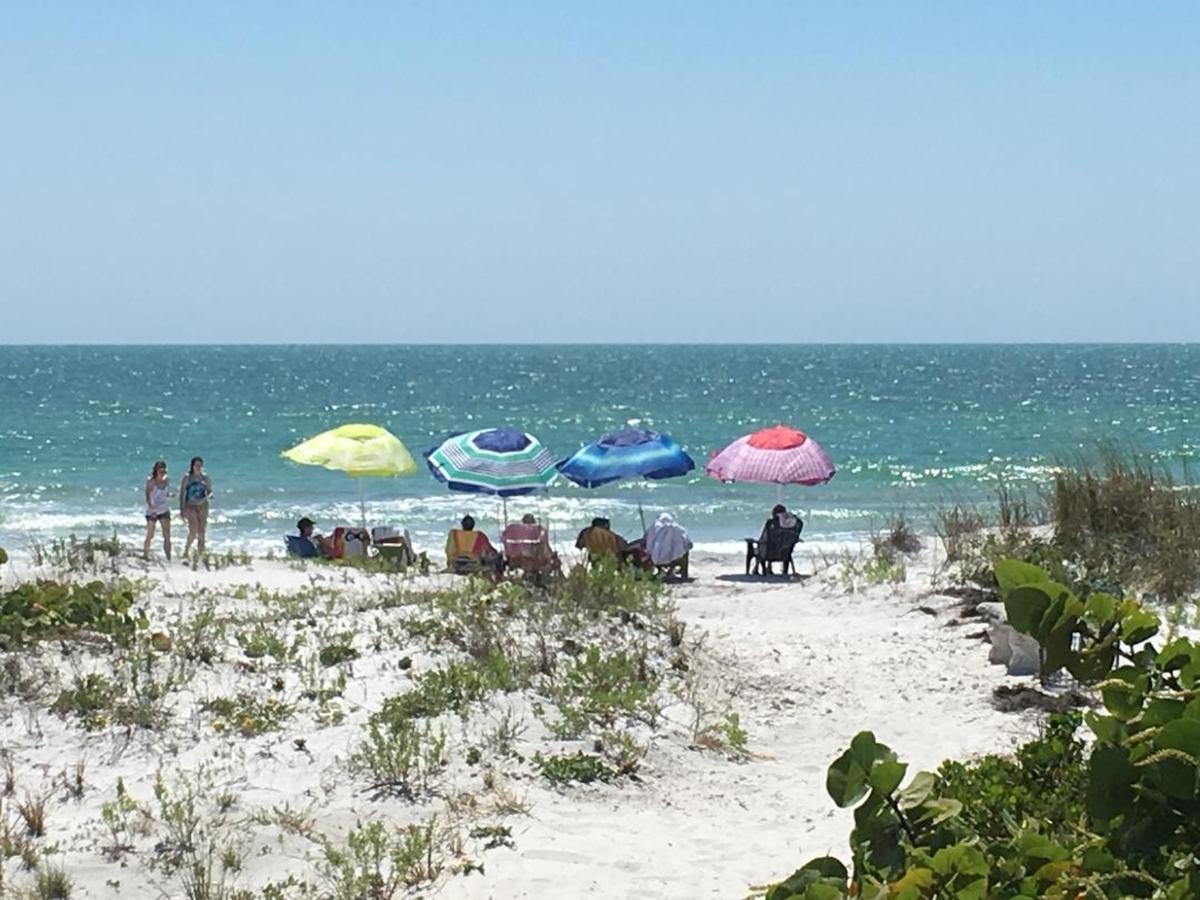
[803, 664]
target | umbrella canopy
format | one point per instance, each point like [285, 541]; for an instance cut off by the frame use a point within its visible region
[633, 453]
[778, 455]
[502, 461]
[359, 450]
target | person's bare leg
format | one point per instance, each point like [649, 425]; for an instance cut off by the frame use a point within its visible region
[201, 527]
[166, 533]
[189, 516]
[149, 539]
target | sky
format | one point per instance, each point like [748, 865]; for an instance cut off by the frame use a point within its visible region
[599, 172]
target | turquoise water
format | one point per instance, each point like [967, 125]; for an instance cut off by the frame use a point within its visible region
[910, 427]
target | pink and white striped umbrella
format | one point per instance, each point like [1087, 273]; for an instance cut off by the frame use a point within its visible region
[778, 455]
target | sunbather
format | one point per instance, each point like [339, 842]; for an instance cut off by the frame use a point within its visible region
[779, 534]
[600, 541]
[527, 546]
[666, 541]
[469, 551]
[780, 518]
[307, 543]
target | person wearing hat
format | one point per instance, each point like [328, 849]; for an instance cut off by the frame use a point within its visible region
[310, 541]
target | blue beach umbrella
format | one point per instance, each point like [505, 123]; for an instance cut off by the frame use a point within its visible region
[505, 462]
[632, 453]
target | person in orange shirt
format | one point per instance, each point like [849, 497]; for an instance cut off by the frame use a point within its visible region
[469, 551]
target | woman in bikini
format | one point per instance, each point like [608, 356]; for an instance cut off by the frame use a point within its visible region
[158, 508]
[194, 491]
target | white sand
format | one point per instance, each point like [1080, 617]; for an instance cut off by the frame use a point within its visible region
[805, 665]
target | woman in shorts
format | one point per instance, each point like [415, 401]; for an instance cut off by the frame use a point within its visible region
[194, 492]
[158, 508]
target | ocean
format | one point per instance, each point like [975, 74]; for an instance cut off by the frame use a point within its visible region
[911, 428]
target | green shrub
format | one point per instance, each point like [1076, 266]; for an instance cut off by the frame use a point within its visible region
[608, 587]
[338, 652]
[43, 610]
[1057, 821]
[597, 688]
[399, 755]
[578, 767]
[250, 716]
[1045, 782]
[378, 864]
[452, 689]
[91, 700]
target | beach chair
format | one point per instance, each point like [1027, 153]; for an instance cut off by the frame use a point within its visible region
[676, 568]
[780, 542]
[393, 546]
[668, 547]
[527, 548]
[299, 547]
[465, 554]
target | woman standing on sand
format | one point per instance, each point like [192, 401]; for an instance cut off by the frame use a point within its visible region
[158, 508]
[194, 491]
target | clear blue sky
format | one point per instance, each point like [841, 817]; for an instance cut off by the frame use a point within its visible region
[599, 172]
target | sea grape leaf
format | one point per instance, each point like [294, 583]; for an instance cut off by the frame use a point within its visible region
[886, 776]
[1052, 871]
[846, 780]
[1101, 608]
[1056, 651]
[1124, 701]
[1176, 654]
[1014, 573]
[1098, 860]
[1161, 710]
[1139, 625]
[1025, 607]
[1038, 846]
[917, 791]
[1181, 734]
[1110, 783]
[1092, 664]
[939, 810]
[813, 881]
[912, 883]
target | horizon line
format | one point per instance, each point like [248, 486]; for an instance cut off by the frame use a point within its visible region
[418, 343]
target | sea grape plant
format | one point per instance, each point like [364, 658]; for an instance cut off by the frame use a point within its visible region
[1131, 829]
[43, 610]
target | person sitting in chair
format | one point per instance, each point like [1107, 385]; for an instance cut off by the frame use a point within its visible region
[772, 533]
[599, 540]
[667, 543]
[308, 544]
[527, 546]
[469, 551]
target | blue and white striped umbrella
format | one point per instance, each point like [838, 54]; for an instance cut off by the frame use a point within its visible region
[633, 453]
[506, 462]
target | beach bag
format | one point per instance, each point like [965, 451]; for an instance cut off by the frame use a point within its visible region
[355, 543]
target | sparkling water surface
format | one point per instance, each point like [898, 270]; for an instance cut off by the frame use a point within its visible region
[910, 427]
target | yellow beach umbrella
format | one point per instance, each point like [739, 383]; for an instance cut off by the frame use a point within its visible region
[359, 450]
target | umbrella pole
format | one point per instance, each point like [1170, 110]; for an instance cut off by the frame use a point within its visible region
[362, 504]
[641, 512]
